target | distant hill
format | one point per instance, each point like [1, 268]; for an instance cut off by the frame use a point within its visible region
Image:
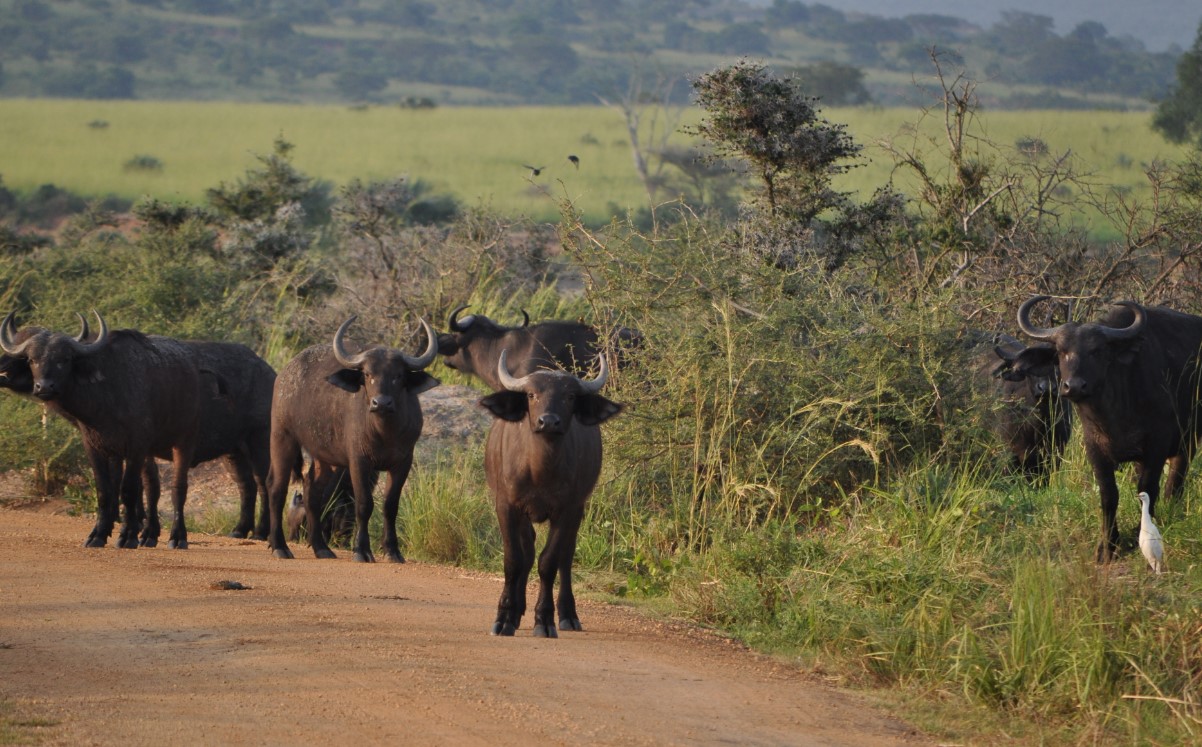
[427, 53]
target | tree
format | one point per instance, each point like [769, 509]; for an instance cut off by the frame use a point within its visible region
[779, 130]
[1179, 117]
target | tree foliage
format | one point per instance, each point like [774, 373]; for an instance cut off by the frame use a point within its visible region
[1179, 116]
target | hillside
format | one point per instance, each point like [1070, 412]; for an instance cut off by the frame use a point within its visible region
[421, 53]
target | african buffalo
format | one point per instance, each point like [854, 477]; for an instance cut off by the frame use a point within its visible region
[475, 343]
[1030, 417]
[542, 460]
[16, 376]
[359, 411]
[131, 396]
[235, 425]
[1133, 380]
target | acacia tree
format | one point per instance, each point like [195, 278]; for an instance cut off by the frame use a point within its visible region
[1179, 117]
[771, 123]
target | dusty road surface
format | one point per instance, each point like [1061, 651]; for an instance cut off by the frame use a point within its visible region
[138, 647]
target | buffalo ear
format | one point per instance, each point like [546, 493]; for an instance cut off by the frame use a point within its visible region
[1127, 350]
[15, 374]
[506, 405]
[420, 381]
[85, 369]
[1038, 360]
[447, 344]
[347, 379]
[593, 409]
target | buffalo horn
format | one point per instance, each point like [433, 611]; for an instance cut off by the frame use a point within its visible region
[592, 386]
[84, 331]
[507, 379]
[1024, 320]
[426, 358]
[588, 386]
[455, 324]
[7, 342]
[1126, 333]
[344, 358]
[102, 338]
[525, 318]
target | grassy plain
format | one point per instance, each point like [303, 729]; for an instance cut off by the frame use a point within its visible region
[476, 153]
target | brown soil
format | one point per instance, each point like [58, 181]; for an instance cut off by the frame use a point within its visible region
[157, 646]
[223, 644]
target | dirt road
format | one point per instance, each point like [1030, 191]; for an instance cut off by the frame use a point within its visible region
[136, 647]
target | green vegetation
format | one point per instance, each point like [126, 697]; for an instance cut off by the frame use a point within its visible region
[539, 51]
[18, 729]
[803, 462]
[477, 154]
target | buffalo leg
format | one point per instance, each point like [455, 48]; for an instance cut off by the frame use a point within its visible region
[285, 453]
[1108, 496]
[392, 500]
[107, 474]
[237, 466]
[362, 484]
[1175, 482]
[259, 447]
[517, 537]
[131, 501]
[318, 490]
[556, 558]
[151, 490]
[181, 458]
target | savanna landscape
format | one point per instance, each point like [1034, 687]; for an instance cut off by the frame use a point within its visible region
[808, 527]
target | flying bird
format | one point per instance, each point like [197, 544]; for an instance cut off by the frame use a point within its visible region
[535, 170]
[1150, 543]
[575, 161]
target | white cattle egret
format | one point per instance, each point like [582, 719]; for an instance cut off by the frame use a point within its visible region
[1150, 543]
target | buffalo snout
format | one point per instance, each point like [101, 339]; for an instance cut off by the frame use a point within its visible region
[383, 403]
[45, 389]
[1075, 388]
[548, 423]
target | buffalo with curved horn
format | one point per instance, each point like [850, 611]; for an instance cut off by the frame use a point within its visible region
[1133, 379]
[353, 410]
[131, 396]
[475, 342]
[542, 461]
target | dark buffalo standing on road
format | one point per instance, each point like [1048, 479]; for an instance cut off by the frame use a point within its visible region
[1031, 419]
[131, 396]
[16, 376]
[235, 425]
[1133, 380]
[475, 342]
[542, 460]
[359, 411]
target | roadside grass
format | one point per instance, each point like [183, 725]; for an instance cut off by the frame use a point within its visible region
[19, 729]
[478, 154]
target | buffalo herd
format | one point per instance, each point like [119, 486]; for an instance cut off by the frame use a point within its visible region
[341, 413]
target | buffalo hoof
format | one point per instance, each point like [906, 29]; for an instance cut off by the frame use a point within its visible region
[238, 533]
[148, 541]
[502, 628]
[364, 557]
[543, 630]
[570, 623]
[177, 544]
[127, 540]
[325, 554]
[395, 557]
[282, 553]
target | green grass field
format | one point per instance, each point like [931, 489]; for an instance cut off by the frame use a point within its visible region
[477, 154]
